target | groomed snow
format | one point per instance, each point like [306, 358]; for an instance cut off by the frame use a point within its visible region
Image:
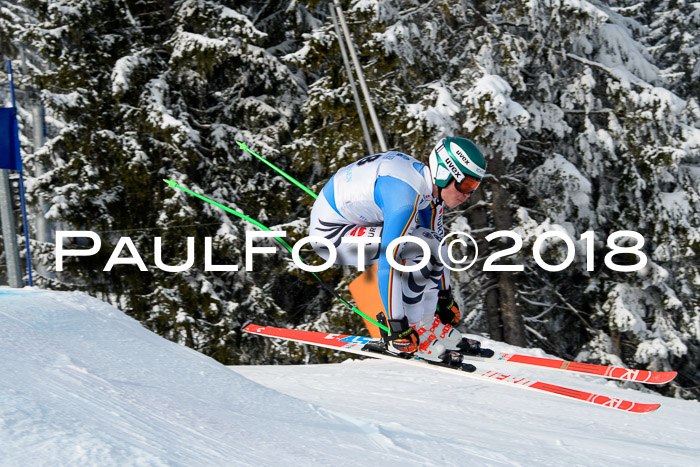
[83, 384]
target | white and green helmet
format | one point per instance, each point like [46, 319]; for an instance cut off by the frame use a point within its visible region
[458, 158]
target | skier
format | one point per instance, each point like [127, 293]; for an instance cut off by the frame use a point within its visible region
[389, 195]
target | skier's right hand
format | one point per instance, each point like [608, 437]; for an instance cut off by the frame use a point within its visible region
[404, 338]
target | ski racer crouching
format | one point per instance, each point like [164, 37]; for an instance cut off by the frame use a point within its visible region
[389, 195]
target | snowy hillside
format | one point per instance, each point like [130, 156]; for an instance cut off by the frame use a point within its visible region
[82, 384]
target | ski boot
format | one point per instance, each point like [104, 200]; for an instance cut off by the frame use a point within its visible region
[449, 336]
[419, 343]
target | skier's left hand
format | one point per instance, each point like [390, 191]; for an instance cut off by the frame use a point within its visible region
[447, 309]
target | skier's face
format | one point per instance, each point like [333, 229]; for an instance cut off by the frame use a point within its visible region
[452, 196]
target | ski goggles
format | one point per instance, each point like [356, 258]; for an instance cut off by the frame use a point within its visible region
[467, 185]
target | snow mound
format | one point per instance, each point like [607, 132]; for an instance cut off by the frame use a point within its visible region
[83, 384]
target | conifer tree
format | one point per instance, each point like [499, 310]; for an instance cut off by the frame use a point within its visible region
[149, 92]
[587, 113]
[580, 136]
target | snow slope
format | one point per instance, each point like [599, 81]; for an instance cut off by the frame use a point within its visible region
[83, 384]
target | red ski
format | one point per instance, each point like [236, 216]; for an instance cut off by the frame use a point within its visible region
[372, 348]
[612, 372]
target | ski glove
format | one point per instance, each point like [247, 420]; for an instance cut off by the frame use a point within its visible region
[404, 338]
[447, 309]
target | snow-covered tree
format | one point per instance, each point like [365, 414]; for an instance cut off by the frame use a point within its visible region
[581, 134]
[151, 91]
[587, 112]
[605, 148]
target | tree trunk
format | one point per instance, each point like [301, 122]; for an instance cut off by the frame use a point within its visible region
[513, 325]
[479, 221]
[504, 318]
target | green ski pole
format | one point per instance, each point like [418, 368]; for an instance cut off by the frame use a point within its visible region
[174, 184]
[280, 171]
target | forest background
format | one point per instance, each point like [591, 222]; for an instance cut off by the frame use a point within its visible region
[587, 112]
